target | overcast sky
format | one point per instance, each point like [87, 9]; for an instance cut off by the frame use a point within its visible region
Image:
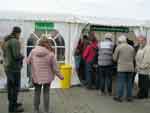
[134, 9]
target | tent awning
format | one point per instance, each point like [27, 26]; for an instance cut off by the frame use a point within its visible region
[26, 16]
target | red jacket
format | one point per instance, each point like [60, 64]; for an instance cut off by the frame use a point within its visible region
[90, 52]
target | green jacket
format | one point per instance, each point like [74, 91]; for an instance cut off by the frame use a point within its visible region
[12, 56]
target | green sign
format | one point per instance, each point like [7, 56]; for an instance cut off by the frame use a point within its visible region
[47, 26]
[109, 29]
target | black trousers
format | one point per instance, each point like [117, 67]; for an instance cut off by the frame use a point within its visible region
[13, 87]
[105, 74]
[143, 86]
[37, 95]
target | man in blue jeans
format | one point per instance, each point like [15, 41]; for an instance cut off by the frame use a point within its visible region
[124, 55]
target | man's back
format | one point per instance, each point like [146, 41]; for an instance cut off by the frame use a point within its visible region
[105, 53]
[12, 56]
[124, 55]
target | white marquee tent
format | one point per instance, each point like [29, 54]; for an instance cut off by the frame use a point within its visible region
[70, 17]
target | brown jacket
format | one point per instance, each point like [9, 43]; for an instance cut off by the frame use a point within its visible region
[124, 56]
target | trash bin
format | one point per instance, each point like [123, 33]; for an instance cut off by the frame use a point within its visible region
[66, 71]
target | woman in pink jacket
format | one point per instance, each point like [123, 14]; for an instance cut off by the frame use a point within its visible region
[44, 68]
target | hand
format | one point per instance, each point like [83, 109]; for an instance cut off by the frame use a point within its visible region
[61, 77]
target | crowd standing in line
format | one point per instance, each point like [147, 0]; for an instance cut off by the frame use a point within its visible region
[122, 60]
[95, 65]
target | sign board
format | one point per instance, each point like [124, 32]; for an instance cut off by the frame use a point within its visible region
[44, 26]
[109, 29]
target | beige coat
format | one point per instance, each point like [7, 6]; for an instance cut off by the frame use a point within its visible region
[143, 60]
[124, 56]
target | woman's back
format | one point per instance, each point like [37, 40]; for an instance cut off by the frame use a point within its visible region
[41, 60]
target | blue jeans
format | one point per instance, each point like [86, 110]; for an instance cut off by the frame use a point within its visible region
[124, 80]
[77, 61]
[88, 74]
[105, 74]
[89, 70]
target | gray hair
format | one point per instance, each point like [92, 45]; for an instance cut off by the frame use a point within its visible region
[108, 36]
[141, 36]
[122, 39]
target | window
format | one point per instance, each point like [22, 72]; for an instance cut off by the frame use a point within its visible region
[56, 39]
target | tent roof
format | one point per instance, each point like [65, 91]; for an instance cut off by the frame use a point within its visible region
[28, 16]
[104, 12]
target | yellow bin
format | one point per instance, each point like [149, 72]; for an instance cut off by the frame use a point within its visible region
[66, 71]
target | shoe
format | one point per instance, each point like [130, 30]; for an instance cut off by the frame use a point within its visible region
[19, 104]
[101, 93]
[89, 87]
[31, 86]
[118, 99]
[17, 110]
[109, 94]
[129, 99]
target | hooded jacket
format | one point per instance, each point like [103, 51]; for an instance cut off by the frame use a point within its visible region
[44, 65]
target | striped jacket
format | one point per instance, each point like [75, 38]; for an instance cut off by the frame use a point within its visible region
[105, 53]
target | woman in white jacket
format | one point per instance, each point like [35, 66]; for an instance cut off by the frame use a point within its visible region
[143, 67]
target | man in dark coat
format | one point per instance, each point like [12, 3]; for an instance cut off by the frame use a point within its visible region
[13, 64]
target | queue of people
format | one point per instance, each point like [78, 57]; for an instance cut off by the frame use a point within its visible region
[96, 63]
[122, 61]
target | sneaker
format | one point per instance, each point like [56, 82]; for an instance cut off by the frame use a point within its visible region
[118, 99]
